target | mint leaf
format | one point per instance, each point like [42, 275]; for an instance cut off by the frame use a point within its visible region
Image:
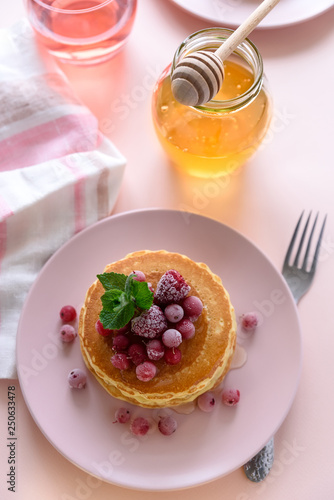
[112, 298]
[142, 294]
[129, 285]
[122, 298]
[117, 318]
[113, 280]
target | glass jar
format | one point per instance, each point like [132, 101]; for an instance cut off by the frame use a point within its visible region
[82, 31]
[215, 138]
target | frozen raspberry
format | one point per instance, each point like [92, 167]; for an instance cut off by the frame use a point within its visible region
[67, 333]
[155, 349]
[77, 379]
[137, 353]
[172, 338]
[122, 415]
[186, 328]
[138, 276]
[67, 314]
[120, 361]
[150, 324]
[171, 288]
[249, 321]
[174, 313]
[146, 371]
[167, 425]
[192, 307]
[140, 426]
[173, 356]
[101, 330]
[206, 402]
[230, 397]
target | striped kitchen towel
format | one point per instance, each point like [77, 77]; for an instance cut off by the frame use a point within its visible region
[58, 173]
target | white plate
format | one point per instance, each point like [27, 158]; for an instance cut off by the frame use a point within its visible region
[234, 12]
[205, 446]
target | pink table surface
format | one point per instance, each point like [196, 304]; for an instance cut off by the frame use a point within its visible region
[292, 171]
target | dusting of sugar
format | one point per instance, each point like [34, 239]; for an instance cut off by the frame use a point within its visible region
[150, 324]
[171, 287]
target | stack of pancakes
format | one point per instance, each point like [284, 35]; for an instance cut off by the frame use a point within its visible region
[205, 358]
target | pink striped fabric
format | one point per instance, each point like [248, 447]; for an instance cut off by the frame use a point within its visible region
[54, 139]
[58, 173]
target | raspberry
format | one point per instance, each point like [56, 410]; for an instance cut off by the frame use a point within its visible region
[171, 288]
[150, 324]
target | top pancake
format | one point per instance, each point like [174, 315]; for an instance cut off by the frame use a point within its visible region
[205, 358]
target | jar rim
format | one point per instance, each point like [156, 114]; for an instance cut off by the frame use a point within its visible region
[208, 36]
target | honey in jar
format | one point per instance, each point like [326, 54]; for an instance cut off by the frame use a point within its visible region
[216, 138]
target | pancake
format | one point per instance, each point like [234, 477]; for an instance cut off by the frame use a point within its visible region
[206, 357]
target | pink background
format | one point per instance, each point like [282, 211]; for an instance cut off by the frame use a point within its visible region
[291, 172]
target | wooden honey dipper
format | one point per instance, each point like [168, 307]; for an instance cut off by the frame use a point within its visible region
[199, 76]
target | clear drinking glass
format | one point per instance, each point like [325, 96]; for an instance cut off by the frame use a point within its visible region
[82, 31]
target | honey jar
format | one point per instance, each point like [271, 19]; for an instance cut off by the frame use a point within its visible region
[215, 138]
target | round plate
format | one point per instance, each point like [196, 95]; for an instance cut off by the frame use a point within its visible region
[205, 446]
[234, 12]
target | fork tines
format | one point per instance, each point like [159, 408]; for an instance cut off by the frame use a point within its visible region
[316, 251]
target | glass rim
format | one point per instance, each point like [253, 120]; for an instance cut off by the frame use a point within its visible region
[72, 11]
[234, 102]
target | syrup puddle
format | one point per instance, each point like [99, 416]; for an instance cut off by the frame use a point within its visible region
[185, 409]
[239, 358]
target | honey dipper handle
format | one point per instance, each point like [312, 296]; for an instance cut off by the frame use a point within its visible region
[245, 29]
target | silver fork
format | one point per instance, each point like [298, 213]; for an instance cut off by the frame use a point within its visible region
[299, 276]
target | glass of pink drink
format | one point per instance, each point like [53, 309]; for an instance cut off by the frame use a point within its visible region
[82, 31]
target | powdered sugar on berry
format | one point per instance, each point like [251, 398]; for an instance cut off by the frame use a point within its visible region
[150, 324]
[171, 288]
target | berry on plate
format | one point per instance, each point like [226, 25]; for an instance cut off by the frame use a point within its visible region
[67, 314]
[77, 379]
[230, 397]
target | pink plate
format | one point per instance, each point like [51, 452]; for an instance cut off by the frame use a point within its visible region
[234, 12]
[78, 423]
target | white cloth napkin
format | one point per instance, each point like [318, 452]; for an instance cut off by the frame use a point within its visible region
[58, 174]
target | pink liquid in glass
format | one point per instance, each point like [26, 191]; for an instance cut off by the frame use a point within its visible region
[82, 31]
